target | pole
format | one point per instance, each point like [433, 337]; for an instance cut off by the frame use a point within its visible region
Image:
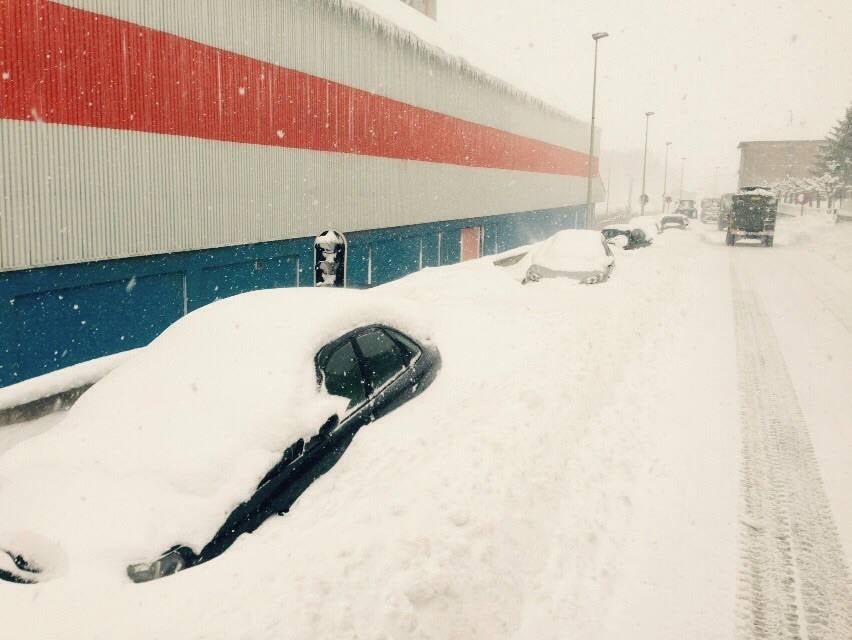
[589, 213]
[682, 164]
[608, 179]
[644, 197]
[666, 177]
[630, 197]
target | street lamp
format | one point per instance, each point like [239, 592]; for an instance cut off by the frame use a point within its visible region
[666, 177]
[644, 197]
[682, 164]
[589, 215]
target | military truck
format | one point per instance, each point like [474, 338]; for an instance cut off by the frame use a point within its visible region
[752, 215]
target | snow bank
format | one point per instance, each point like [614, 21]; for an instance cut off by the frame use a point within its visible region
[159, 451]
[573, 467]
[56, 382]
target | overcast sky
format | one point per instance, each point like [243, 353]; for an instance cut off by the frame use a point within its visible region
[715, 73]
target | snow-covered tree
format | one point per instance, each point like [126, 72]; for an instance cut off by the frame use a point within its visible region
[834, 162]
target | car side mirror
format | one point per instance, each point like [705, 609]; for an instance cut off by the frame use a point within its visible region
[329, 425]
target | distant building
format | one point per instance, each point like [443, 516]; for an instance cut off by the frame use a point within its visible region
[428, 7]
[768, 161]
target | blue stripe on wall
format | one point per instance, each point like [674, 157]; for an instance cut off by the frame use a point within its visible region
[54, 317]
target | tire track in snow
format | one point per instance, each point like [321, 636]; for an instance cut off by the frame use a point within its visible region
[793, 580]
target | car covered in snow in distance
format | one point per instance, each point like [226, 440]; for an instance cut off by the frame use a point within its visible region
[221, 422]
[626, 236]
[675, 219]
[709, 210]
[687, 208]
[575, 254]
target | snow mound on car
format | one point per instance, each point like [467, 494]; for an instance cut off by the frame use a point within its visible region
[160, 450]
[572, 250]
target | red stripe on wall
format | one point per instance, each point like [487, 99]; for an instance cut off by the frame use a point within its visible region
[64, 65]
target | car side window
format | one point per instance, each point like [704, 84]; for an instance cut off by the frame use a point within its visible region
[408, 345]
[342, 375]
[383, 359]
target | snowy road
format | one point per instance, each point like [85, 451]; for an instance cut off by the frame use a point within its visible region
[666, 456]
[794, 580]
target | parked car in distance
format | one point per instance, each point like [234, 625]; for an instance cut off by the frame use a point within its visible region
[687, 208]
[672, 220]
[299, 369]
[575, 254]
[709, 210]
[725, 203]
[626, 236]
[752, 215]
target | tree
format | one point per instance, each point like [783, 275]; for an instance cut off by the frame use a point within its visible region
[834, 162]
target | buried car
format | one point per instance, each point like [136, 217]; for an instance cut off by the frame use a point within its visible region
[220, 423]
[674, 219]
[626, 236]
[575, 254]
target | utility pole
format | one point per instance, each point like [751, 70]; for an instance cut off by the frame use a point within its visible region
[630, 197]
[590, 223]
[682, 164]
[644, 197]
[666, 177]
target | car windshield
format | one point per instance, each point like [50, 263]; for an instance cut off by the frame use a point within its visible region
[415, 319]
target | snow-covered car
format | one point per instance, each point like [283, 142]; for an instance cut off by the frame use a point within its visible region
[709, 210]
[220, 423]
[625, 236]
[649, 224]
[687, 208]
[575, 254]
[671, 220]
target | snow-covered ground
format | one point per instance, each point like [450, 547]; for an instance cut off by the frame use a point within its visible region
[573, 472]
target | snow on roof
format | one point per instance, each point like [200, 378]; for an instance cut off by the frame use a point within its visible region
[186, 427]
[395, 19]
[757, 191]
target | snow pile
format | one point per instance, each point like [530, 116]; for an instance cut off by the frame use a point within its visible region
[573, 467]
[160, 451]
[56, 382]
[573, 250]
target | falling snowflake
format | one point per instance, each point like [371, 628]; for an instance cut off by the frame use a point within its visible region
[280, 133]
[131, 285]
[242, 91]
[5, 75]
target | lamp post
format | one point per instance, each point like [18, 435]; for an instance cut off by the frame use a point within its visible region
[682, 164]
[666, 177]
[589, 221]
[644, 197]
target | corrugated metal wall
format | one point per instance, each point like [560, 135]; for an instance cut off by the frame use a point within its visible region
[90, 185]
